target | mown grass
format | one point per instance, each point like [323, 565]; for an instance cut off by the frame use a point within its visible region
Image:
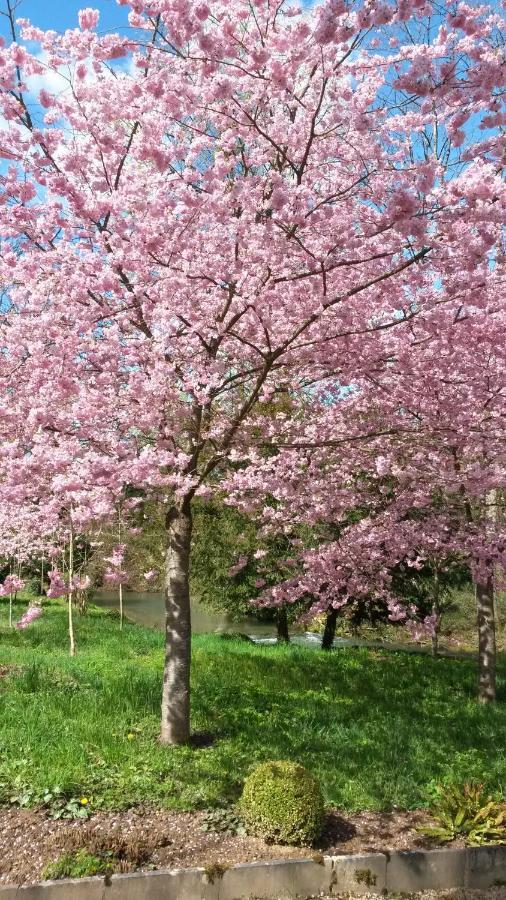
[377, 728]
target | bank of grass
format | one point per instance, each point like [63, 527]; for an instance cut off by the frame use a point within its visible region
[377, 728]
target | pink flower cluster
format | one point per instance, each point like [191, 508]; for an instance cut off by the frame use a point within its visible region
[11, 584]
[31, 614]
[57, 584]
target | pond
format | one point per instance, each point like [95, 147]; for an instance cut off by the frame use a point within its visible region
[147, 608]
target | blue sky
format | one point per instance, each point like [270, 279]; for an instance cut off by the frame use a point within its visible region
[62, 14]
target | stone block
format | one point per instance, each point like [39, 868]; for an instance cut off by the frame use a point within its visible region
[485, 867]
[418, 870]
[360, 873]
[277, 880]
[177, 884]
[73, 889]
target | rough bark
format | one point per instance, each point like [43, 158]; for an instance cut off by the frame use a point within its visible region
[484, 592]
[282, 626]
[175, 727]
[329, 632]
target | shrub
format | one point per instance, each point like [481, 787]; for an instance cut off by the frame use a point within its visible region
[467, 811]
[282, 802]
[80, 864]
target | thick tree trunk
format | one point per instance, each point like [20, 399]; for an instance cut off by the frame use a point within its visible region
[329, 632]
[282, 626]
[484, 591]
[175, 727]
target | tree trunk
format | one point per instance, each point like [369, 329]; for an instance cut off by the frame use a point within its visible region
[329, 632]
[120, 586]
[282, 626]
[436, 612]
[175, 728]
[120, 595]
[72, 642]
[484, 591]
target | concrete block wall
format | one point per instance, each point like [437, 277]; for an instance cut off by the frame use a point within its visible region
[292, 879]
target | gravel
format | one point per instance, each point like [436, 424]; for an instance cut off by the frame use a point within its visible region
[143, 838]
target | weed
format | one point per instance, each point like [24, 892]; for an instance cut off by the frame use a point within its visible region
[132, 850]
[467, 811]
[215, 871]
[225, 819]
[77, 865]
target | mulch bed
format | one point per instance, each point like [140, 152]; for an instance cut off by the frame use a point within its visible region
[143, 838]
[493, 893]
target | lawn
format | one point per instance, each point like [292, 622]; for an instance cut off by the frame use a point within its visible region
[377, 728]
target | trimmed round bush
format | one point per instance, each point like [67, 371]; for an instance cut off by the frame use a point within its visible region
[282, 803]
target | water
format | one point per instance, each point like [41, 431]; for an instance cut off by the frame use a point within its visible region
[147, 608]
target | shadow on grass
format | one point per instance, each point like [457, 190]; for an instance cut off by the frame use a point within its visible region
[376, 728]
[376, 731]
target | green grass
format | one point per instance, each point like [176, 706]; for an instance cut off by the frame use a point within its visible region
[79, 864]
[377, 728]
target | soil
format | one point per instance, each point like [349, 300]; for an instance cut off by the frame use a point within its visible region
[497, 893]
[143, 838]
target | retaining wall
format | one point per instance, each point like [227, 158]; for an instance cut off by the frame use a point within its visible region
[479, 867]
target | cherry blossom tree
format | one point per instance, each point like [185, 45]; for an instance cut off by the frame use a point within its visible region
[432, 489]
[231, 204]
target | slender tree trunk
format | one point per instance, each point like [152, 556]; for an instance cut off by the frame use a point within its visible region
[42, 577]
[19, 576]
[282, 626]
[10, 598]
[436, 612]
[484, 592]
[72, 643]
[120, 592]
[329, 632]
[175, 728]
[120, 587]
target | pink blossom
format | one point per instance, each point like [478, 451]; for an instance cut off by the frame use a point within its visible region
[88, 18]
[31, 614]
[11, 584]
[57, 584]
